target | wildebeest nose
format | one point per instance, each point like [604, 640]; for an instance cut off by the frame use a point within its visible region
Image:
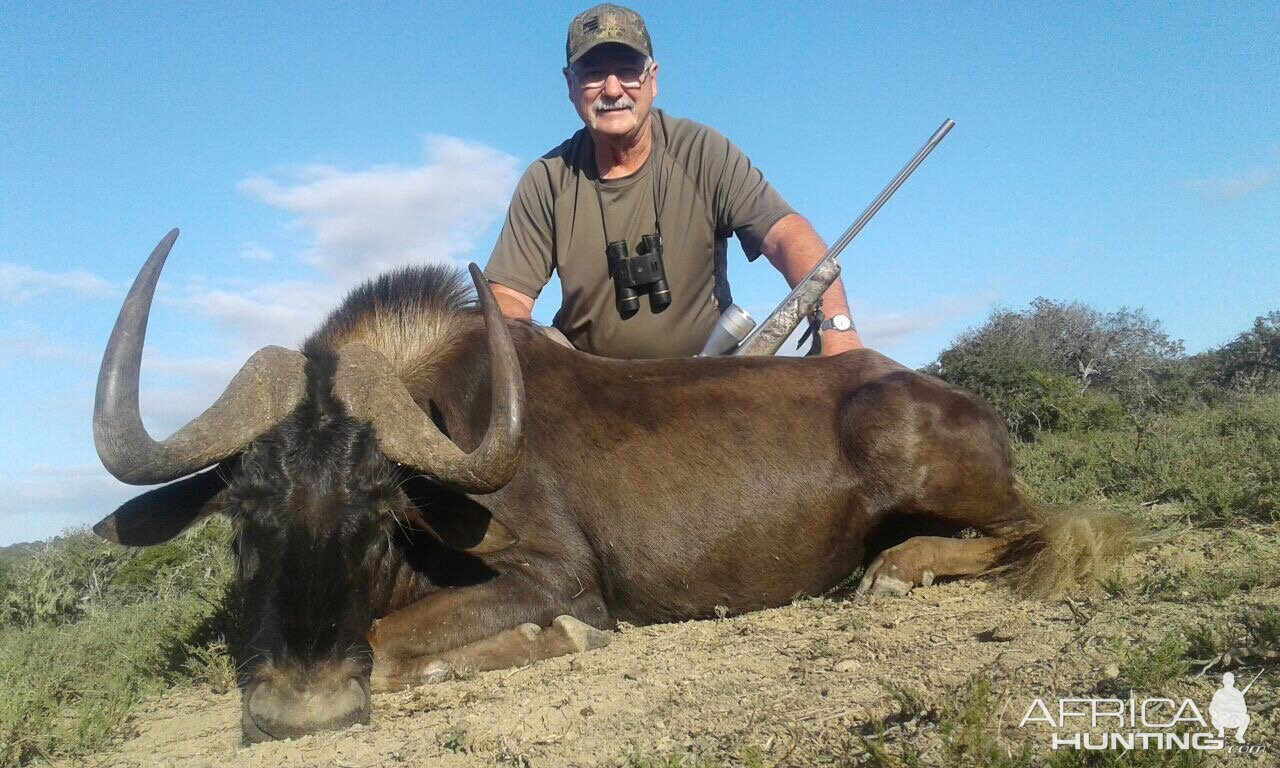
[280, 709]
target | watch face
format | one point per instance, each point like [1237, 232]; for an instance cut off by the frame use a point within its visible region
[841, 322]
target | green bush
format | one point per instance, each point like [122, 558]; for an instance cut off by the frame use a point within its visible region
[59, 581]
[1031, 398]
[1062, 366]
[68, 688]
[1251, 361]
[187, 562]
[97, 626]
[1221, 462]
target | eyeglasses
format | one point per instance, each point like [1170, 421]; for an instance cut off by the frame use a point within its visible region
[629, 75]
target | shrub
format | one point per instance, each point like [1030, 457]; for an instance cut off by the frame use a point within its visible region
[1251, 361]
[1030, 397]
[97, 626]
[1059, 366]
[59, 581]
[1222, 463]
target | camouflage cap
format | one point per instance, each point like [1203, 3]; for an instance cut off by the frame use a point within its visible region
[606, 23]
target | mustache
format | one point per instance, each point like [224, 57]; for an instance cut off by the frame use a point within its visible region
[602, 104]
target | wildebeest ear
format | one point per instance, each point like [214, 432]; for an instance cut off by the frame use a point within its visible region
[470, 528]
[455, 519]
[158, 515]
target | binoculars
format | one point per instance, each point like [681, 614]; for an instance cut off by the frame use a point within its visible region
[634, 275]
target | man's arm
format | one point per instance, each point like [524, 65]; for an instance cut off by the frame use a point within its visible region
[793, 247]
[514, 304]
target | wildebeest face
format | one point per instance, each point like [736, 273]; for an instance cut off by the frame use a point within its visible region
[312, 539]
[329, 536]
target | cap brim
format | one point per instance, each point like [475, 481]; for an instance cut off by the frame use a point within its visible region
[577, 57]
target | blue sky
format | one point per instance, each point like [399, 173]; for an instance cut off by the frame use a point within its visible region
[1120, 156]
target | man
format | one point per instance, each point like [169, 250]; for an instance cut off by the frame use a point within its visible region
[634, 171]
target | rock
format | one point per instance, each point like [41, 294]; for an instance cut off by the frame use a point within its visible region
[1111, 671]
[847, 665]
[1000, 633]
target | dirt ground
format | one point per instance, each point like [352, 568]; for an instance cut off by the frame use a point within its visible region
[818, 682]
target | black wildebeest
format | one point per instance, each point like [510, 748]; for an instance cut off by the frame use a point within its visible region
[427, 486]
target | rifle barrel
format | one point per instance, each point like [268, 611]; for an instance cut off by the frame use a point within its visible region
[888, 191]
[767, 337]
[1251, 682]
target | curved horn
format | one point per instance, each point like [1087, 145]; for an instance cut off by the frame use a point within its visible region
[369, 387]
[264, 391]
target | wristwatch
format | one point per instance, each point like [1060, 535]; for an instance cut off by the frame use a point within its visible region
[837, 322]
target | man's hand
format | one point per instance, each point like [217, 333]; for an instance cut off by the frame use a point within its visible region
[793, 247]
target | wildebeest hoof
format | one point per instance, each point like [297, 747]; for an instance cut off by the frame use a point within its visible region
[900, 569]
[436, 672]
[582, 636]
[888, 585]
[389, 677]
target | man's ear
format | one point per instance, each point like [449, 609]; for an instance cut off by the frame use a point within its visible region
[158, 515]
[653, 76]
[568, 82]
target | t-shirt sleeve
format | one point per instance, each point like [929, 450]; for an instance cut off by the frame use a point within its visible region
[522, 257]
[743, 202]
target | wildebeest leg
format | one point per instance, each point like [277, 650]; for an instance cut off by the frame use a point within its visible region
[456, 618]
[921, 559]
[525, 644]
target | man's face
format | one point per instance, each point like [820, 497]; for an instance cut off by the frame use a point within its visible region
[613, 88]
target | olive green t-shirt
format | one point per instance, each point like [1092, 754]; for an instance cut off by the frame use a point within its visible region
[706, 190]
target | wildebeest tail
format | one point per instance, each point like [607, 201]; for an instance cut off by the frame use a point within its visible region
[1059, 547]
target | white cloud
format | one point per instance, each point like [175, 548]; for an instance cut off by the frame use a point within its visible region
[256, 252]
[886, 329]
[190, 367]
[29, 343]
[271, 313]
[20, 283]
[1236, 186]
[365, 222]
[883, 330]
[165, 409]
[43, 500]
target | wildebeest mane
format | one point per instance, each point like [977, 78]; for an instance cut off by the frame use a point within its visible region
[416, 316]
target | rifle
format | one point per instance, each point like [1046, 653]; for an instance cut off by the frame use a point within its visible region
[1251, 682]
[805, 298]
